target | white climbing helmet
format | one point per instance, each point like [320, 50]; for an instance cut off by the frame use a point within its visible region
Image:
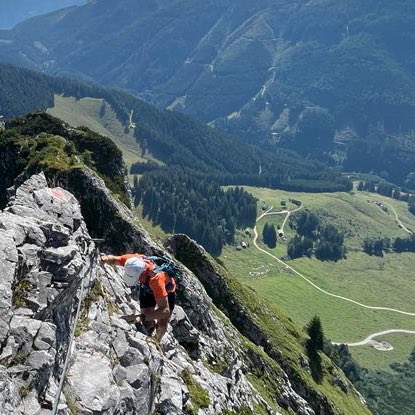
[133, 268]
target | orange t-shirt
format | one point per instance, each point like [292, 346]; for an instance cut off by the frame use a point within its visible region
[161, 283]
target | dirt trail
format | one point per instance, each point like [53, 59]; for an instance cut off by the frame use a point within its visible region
[369, 339]
[398, 221]
[288, 267]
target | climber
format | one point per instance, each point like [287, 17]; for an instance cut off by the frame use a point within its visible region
[156, 291]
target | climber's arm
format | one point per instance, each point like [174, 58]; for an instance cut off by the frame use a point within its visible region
[111, 259]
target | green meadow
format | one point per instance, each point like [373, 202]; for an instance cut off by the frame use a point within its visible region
[97, 115]
[387, 281]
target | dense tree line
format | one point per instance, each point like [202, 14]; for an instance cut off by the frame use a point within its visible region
[329, 246]
[386, 156]
[324, 240]
[376, 246]
[314, 132]
[404, 244]
[411, 204]
[298, 246]
[269, 235]
[185, 202]
[305, 223]
[141, 168]
[388, 189]
[23, 91]
[387, 392]
[382, 187]
[342, 357]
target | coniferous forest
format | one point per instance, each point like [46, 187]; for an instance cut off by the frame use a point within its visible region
[182, 202]
[325, 241]
[186, 196]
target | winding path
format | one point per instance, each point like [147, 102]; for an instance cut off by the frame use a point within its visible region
[374, 335]
[288, 213]
[339, 297]
[398, 221]
[394, 310]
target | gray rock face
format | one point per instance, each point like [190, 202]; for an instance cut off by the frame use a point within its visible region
[46, 255]
[45, 250]
[91, 382]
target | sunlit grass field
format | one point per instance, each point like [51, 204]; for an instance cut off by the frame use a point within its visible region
[87, 112]
[387, 281]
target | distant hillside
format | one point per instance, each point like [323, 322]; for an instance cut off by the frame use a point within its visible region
[23, 91]
[182, 163]
[172, 138]
[330, 78]
[18, 10]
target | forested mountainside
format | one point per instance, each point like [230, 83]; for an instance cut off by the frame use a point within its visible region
[173, 138]
[24, 9]
[33, 91]
[181, 149]
[227, 352]
[335, 79]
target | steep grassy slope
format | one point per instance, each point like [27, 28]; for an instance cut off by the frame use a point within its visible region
[98, 115]
[265, 325]
[286, 71]
[19, 10]
[39, 142]
[378, 281]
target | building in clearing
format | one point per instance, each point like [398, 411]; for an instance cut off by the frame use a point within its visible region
[295, 202]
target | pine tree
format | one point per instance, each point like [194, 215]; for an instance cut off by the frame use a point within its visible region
[272, 237]
[315, 332]
[314, 344]
[269, 235]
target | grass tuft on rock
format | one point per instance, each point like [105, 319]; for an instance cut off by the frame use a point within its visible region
[20, 292]
[95, 293]
[198, 396]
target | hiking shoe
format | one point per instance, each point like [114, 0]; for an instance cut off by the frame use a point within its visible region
[140, 328]
[150, 331]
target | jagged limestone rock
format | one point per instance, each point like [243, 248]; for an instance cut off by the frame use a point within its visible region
[46, 255]
[112, 367]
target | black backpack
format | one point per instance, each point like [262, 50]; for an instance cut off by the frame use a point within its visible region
[165, 264]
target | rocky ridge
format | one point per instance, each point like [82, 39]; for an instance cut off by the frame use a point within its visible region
[46, 251]
[49, 266]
